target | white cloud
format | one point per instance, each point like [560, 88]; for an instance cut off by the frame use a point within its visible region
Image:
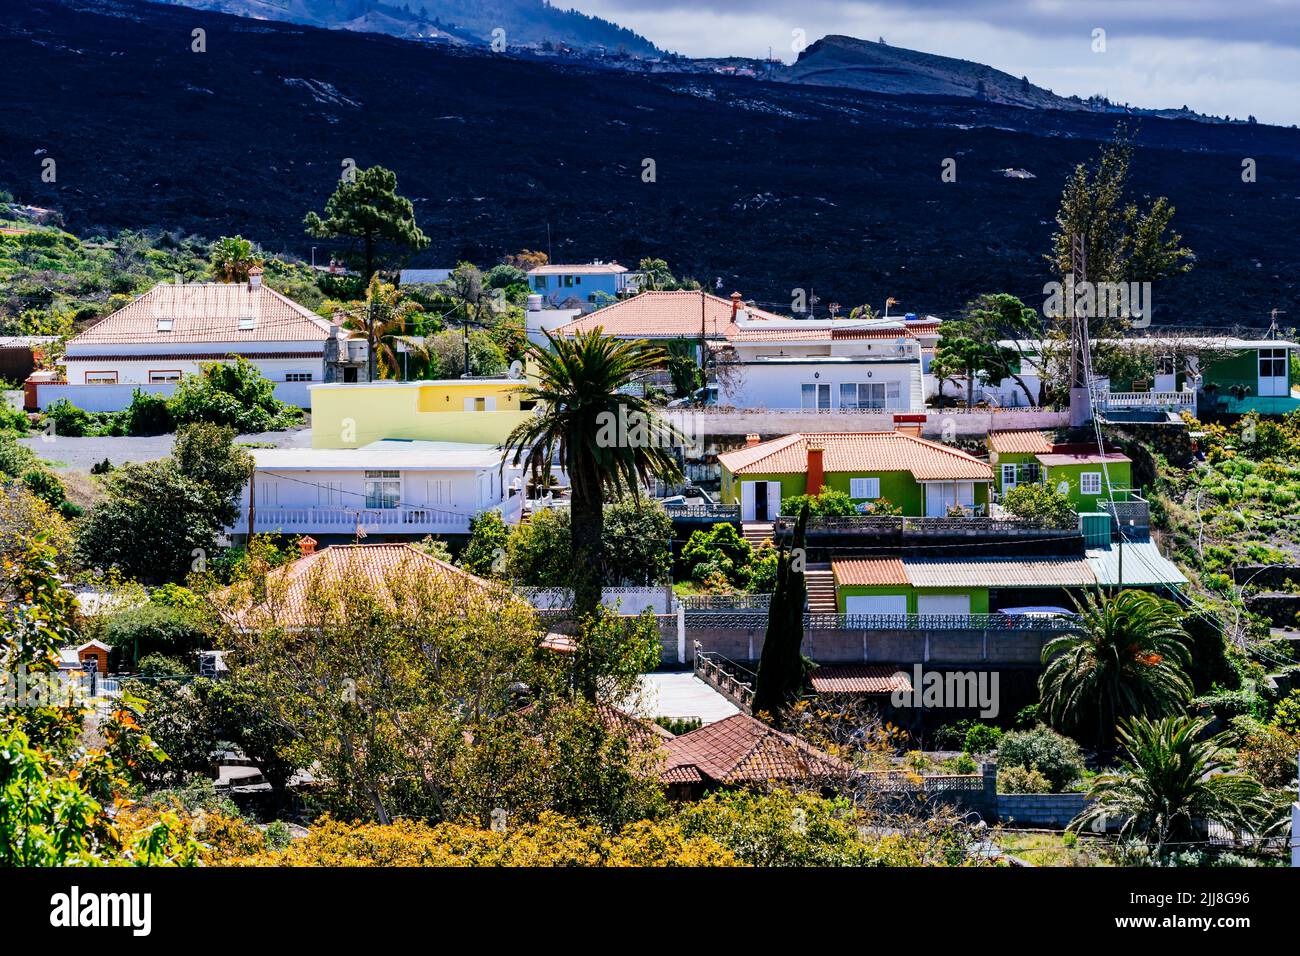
[1159, 53]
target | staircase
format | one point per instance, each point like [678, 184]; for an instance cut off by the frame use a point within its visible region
[756, 532]
[821, 589]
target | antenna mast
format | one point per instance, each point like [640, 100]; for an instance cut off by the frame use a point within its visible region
[1080, 387]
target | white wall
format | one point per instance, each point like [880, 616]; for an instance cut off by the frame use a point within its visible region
[115, 398]
[135, 371]
[779, 385]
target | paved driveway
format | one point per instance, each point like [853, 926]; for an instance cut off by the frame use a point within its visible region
[78, 454]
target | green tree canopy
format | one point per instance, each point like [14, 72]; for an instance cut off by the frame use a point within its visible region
[367, 209]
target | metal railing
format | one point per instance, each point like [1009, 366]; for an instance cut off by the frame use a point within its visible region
[724, 676]
[719, 512]
[1121, 400]
[893, 524]
[726, 602]
[938, 622]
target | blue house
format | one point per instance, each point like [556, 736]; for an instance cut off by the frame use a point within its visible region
[593, 282]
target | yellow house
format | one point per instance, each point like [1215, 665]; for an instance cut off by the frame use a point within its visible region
[476, 411]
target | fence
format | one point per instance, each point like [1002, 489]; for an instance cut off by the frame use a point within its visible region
[726, 677]
[726, 602]
[706, 512]
[926, 527]
[938, 622]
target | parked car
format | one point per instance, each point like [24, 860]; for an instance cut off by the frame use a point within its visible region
[701, 397]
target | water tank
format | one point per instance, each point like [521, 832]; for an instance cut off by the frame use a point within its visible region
[1095, 526]
[910, 317]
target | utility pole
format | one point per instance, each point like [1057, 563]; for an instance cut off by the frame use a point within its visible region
[252, 495]
[465, 331]
[1080, 387]
[370, 342]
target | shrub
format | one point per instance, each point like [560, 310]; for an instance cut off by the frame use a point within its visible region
[1057, 758]
[160, 665]
[13, 420]
[982, 738]
[538, 554]
[234, 394]
[719, 550]
[69, 420]
[488, 538]
[46, 485]
[1287, 713]
[148, 415]
[1022, 780]
[1041, 503]
[828, 504]
[155, 630]
[1269, 755]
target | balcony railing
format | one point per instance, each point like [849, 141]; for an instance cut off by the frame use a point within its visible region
[715, 512]
[1117, 401]
[937, 527]
[939, 622]
[401, 520]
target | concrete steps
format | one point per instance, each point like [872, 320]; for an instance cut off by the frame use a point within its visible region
[821, 591]
[756, 532]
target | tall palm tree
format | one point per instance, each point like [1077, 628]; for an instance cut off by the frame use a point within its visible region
[608, 441]
[232, 257]
[1171, 781]
[1129, 659]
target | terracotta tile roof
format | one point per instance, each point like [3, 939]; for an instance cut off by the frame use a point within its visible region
[206, 312]
[859, 679]
[910, 330]
[1044, 572]
[1029, 441]
[369, 566]
[860, 571]
[859, 452]
[665, 315]
[741, 749]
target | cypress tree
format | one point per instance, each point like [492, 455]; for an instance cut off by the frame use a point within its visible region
[780, 677]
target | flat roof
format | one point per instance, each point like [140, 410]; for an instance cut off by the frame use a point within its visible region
[389, 453]
[1082, 458]
[422, 382]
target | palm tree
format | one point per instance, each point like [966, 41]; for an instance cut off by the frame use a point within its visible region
[1128, 659]
[606, 439]
[385, 314]
[1171, 782]
[232, 257]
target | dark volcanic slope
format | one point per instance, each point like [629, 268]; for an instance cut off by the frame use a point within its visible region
[767, 186]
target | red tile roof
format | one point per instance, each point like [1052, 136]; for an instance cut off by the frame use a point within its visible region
[869, 571]
[1030, 441]
[741, 749]
[206, 312]
[859, 452]
[368, 566]
[665, 315]
[859, 679]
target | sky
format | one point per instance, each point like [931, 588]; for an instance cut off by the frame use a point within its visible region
[1235, 57]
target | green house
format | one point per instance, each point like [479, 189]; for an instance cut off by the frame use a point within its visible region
[919, 477]
[1079, 472]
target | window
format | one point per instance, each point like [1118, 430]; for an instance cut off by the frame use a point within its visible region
[247, 323]
[815, 395]
[329, 494]
[297, 376]
[1008, 477]
[864, 488]
[164, 325]
[568, 281]
[870, 395]
[383, 489]
[165, 375]
[101, 378]
[1090, 483]
[539, 283]
[1272, 363]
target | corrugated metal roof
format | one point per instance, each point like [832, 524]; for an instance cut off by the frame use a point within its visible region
[1113, 457]
[1044, 572]
[1144, 566]
[869, 571]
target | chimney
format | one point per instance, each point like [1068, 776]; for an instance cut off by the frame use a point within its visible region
[751, 441]
[816, 471]
[255, 277]
[306, 545]
[735, 305]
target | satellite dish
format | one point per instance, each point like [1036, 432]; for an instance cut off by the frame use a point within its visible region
[516, 369]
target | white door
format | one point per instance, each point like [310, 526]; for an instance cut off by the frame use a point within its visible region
[747, 500]
[773, 500]
[876, 604]
[1273, 377]
[943, 603]
[941, 495]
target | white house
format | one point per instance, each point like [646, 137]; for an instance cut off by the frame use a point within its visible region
[767, 361]
[169, 332]
[389, 489]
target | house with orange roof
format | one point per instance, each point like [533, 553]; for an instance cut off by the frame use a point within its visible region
[169, 332]
[917, 476]
[1080, 472]
[760, 359]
